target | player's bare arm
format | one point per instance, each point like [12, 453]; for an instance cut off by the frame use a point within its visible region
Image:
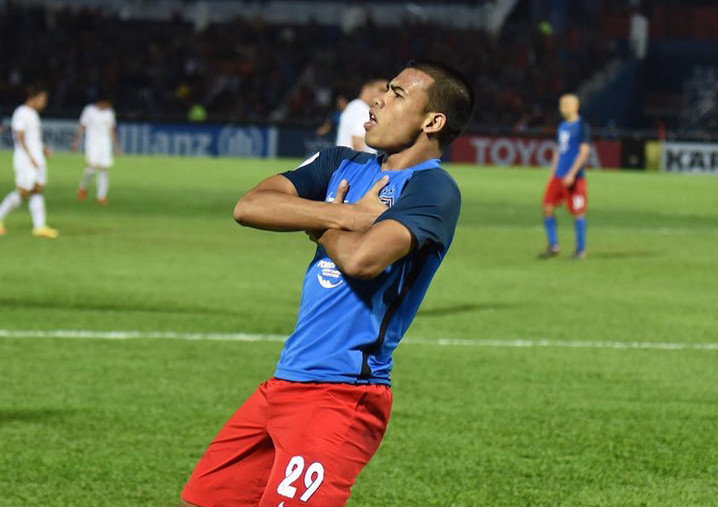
[20, 136]
[367, 254]
[274, 205]
[76, 140]
[583, 152]
[116, 141]
[358, 143]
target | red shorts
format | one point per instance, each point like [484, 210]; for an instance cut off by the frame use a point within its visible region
[574, 196]
[292, 444]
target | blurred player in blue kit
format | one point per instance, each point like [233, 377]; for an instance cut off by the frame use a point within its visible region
[567, 182]
[382, 225]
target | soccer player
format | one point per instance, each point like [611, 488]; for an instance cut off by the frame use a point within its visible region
[331, 124]
[567, 182]
[382, 225]
[350, 132]
[29, 163]
[97, 122]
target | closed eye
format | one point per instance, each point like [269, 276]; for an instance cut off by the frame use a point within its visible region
[398, 90]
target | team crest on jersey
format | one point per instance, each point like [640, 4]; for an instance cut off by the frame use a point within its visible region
[387, 197]
[329, 276]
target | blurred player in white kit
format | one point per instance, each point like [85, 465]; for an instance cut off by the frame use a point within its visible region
[350, 132]
[28, 160]
[98, 124]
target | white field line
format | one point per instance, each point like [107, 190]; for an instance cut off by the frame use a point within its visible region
[444, 342]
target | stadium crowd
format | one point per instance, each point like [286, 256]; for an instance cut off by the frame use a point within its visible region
[248, 70]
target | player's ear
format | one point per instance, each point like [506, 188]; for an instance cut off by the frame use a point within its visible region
[433, 123]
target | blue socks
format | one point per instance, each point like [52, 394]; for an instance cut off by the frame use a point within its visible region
[549, 224]
[551, 233]
[580, 225]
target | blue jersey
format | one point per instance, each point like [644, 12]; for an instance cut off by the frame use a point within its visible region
[347, 329]
[570, 136]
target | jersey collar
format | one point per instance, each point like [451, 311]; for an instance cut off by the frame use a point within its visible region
[427, 164]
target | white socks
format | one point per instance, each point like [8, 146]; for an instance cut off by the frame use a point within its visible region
[103, 183]
[86, 177]
[11, 201]
[36, 204]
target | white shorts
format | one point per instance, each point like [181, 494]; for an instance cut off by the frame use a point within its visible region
[26, 175]
[98, 156]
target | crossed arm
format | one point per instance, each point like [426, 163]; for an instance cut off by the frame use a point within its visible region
[359, 248]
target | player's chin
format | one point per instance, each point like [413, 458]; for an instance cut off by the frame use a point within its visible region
[372, 142]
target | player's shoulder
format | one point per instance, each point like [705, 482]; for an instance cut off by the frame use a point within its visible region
[21, 109]
[585, 129]
[435, 185]
[437, 178]
[22, 112]
[335, 155]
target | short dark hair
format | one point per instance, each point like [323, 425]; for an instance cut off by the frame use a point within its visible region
[451, 94]
[34, 90]
[104, 95]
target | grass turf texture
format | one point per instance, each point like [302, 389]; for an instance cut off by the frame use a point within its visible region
[93, 422]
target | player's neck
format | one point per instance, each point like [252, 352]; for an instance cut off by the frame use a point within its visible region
[410, 157]
[572, 118]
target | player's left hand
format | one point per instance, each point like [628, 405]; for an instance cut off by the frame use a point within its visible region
[48, 151]
[314, 234]
[568, 180]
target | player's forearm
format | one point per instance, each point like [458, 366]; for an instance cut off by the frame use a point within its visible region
[345, 248]
[367, 254]
[358, 143]
[78, 135]
[578, 164]
[277, 211]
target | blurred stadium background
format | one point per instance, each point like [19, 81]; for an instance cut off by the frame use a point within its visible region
[645, 71]
[521, 382]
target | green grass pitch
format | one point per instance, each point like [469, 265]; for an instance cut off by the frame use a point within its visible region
[92, 422]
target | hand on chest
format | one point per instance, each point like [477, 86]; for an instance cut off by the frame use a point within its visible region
[360, 184]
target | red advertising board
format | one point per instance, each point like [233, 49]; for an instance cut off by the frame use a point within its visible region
[526, 151]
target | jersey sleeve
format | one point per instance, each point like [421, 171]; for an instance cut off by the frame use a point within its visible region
[585, 133]
[312, 177]
[18, 122]
[84, 115]
[429, 207]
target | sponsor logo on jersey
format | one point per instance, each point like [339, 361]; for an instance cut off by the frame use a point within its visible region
[329, 276]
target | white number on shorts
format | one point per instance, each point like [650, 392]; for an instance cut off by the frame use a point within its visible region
[312, 478]
[578, 202]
